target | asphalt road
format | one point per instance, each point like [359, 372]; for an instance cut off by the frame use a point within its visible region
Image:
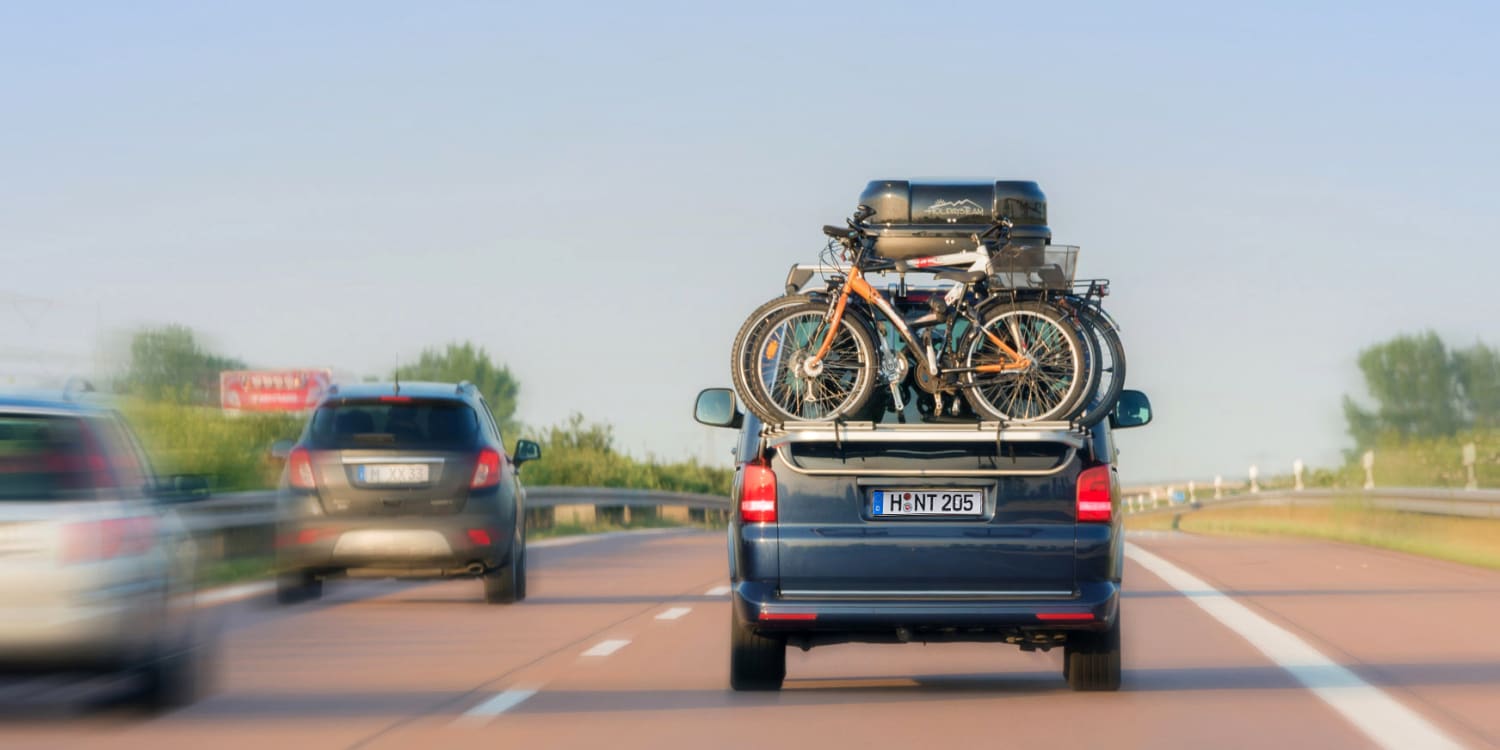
[623, 643]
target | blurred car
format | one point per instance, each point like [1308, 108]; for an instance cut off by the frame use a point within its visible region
[96, 568]
[403, 481]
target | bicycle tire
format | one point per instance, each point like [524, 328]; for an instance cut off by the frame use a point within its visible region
[1049, 391]
[842, 388]
[742, 351]
[1107, 391]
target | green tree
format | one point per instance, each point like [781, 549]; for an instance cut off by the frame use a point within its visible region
[581, 453]
[457, 362]
[1415, 387]
[1478, 371]
[168, 364]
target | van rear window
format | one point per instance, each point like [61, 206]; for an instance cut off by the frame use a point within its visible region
[422, 424]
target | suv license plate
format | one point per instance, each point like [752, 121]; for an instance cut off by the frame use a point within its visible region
[927, 503]
[393, 473]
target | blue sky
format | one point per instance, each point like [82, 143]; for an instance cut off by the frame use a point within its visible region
[598, 194]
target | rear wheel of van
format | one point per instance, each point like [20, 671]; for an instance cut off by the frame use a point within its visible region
[297, 586]
[756, 662]
[1091, 661]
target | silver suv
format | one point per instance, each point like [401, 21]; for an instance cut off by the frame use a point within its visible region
[96, 567]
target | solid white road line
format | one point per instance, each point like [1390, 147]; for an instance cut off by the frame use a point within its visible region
[605, 648]
[565, 541]
[717, 591]
[227, 594]
[1382, 718]
[674, 613]
[496, 705]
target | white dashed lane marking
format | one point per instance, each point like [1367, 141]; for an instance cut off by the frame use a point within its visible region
[496, 705]
[717, 591]
[605, 648]
[674, 613]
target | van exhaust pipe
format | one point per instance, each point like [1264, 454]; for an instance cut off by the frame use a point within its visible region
[475, 569]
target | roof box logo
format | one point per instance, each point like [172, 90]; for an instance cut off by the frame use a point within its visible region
[952, 209]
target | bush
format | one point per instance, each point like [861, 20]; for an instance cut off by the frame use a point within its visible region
[234, 451]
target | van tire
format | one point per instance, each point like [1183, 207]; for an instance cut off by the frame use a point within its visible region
[1091, 661]
[756, 662]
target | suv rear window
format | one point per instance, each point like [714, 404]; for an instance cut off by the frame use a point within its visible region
[388, 423]
[47, 458]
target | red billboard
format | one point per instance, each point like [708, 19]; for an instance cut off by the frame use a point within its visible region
[272, 390]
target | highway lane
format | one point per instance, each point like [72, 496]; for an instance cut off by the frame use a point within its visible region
[624, 644]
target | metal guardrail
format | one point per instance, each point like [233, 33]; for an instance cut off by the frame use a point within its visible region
[243, 524]
[1444, 502]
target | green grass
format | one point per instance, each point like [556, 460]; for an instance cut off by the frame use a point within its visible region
[1472, 541]
[224, 572]
[602, 527]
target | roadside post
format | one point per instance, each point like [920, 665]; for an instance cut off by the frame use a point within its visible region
[1469, 451]
[1192, 491]
[1254, 477]
[1297, 468]
[1369, 463]
[1218, 487]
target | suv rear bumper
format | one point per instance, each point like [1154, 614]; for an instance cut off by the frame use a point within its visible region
[1092, 608]
[397, 547]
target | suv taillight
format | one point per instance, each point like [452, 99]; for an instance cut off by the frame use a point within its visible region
[758, 494]
[486, 470]
[1095, 502]
[299, 471]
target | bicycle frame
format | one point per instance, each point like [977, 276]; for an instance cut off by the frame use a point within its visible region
[856, 284]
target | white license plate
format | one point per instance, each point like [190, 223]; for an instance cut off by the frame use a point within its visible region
[927, 502]
[392, 473]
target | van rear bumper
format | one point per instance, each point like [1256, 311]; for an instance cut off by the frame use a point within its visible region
[1093, 607]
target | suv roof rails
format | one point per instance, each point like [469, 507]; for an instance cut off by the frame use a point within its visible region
[464, 386]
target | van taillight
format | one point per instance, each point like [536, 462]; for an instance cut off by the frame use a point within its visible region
[299, 471]
[758, 494]
[1094, 501]
[486, 470]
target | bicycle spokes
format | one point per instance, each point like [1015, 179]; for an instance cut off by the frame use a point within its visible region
[1026, 366]
[797, 381]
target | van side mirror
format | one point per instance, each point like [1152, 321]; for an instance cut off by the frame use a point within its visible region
[281, 449]
[526, 450]
[1132, 410]
[716, 408]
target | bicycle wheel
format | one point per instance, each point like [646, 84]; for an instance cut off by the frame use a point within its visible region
[742, 353]
[1049, 388]
[788, 388]
[1111, 367]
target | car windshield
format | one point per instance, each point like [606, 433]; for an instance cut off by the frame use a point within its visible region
[47, 458]
[392, 423]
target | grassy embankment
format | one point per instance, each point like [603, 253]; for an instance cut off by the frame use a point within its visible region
[1472, 541]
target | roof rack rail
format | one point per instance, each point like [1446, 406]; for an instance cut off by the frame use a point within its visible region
[1069, 433]
[463, 387]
